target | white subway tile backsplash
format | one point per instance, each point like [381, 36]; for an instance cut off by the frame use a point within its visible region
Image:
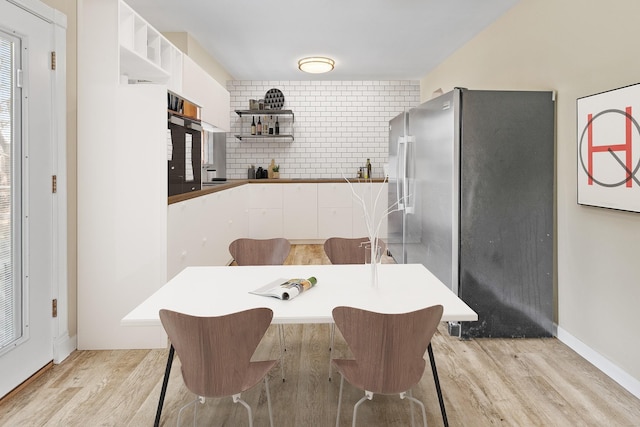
[338, 125]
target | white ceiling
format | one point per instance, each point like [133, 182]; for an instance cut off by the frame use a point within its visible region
[368, 39]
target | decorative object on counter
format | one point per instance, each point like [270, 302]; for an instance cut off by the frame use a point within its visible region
[276, 172]
[274, 99]
[251, 173]
[271, 169]
[369, 176]
[261, 173]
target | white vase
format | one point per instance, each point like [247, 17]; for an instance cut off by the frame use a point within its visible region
[375, 258]
[374, 275]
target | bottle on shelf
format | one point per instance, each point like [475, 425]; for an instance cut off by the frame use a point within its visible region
[271, 125]
[259, 126]
[253, 125]
[368, 169]
[277, 127]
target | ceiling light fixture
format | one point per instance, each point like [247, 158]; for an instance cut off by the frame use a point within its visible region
[316, 64]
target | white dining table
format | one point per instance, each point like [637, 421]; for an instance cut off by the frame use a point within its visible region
[216, 291]
[220, 290]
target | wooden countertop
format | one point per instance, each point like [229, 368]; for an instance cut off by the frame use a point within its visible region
[238, 182]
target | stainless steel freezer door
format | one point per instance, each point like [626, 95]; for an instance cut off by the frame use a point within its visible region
[432, 229]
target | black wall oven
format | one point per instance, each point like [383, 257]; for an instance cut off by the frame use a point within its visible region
[184, 142]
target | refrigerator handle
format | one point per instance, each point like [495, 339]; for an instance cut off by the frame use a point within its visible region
[401, 160]
[408, 186]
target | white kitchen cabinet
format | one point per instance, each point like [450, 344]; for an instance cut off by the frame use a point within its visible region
[200, 230]
[145, 55]
[185, 232]
[122, 227]
[340, 214]
[335, 210]
[265, 211]
[203, 90]
[235, 216]
[300, 211]
[375, 199]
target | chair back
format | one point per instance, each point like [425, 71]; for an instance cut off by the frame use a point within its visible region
[260, 251]
[342, 250]
[388, 348]
[215, 352]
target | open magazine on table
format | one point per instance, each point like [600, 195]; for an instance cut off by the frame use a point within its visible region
[285, 289]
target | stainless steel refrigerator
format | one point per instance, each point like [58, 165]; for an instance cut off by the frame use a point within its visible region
[471, 182]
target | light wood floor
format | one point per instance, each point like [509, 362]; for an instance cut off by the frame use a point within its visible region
[486, 382]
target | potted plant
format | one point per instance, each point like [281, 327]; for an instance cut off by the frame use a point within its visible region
[276, 171]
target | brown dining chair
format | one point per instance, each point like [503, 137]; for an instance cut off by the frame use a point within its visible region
[343, 250]
[263, 252]
[215, 354]
[260, 251]
[388, 352]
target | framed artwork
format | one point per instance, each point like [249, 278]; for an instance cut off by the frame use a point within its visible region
[609, 149]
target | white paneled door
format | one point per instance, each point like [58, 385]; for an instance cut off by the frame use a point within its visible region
[27, 220]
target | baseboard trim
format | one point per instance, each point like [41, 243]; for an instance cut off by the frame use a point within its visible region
[631, 384]
[63, 347]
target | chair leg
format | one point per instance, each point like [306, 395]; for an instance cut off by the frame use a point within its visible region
[266, 386]
[339, 401]
[367, 396]
[282, 343]
[413, 421]
[332, 333]
[195, 410]
[409, 396]
[282, 349]
[237, 399]
[194, 401]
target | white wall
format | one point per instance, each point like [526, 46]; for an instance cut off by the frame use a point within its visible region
[577, 48]
[338, 125]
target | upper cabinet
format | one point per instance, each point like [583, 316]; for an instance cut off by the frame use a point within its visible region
[145, 55]
[203, 90]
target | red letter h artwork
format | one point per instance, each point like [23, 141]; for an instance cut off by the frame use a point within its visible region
[610, 148]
